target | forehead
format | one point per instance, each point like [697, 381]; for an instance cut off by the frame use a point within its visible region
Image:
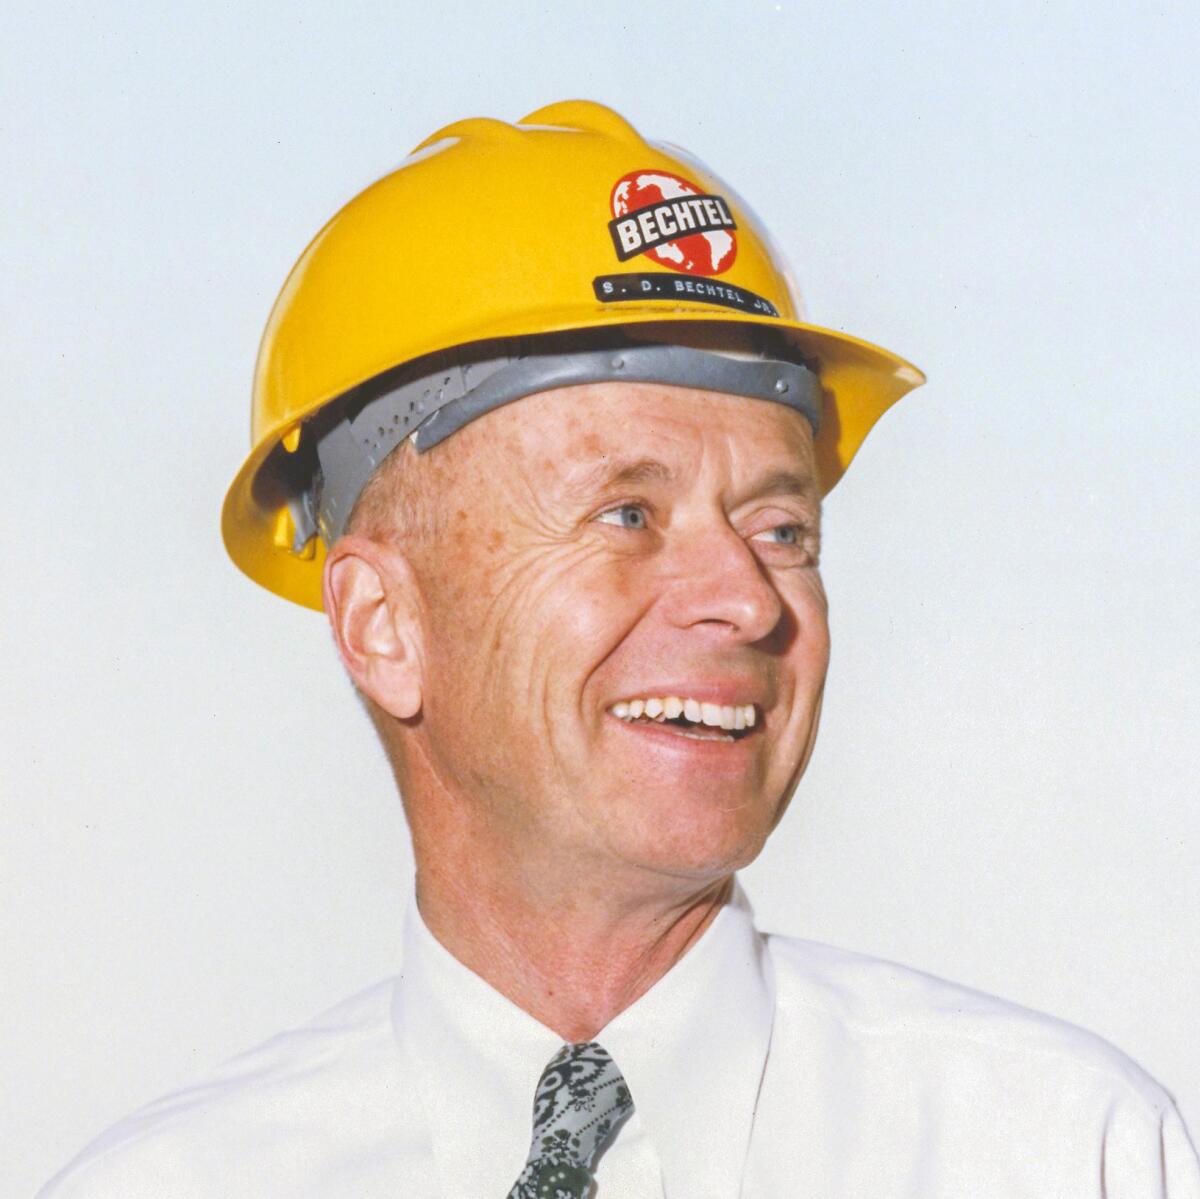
[553, 432]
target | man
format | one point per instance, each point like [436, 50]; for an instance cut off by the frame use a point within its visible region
[537, 425]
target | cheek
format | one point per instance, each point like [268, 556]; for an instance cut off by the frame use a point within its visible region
[807, 644]
[598, 602]
[573, 615]
[816, 617]
[521, 625]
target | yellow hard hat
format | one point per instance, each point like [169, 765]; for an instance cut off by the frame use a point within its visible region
[566, 221]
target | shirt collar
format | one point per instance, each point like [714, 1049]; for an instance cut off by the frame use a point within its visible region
[692, 1050]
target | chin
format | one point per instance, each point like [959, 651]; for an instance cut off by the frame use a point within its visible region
[705, 842]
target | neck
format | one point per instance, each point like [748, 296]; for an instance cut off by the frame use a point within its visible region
[573, 943]
[574, 961]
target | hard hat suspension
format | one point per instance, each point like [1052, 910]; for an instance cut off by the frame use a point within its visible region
[431, 398]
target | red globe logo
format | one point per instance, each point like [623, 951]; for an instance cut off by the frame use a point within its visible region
[672, 221]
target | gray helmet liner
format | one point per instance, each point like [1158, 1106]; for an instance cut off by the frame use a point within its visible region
[435, 396]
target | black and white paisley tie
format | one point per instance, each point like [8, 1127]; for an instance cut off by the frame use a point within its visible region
[580, 1102]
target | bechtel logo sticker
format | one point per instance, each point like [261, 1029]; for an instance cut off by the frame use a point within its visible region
[672, 221]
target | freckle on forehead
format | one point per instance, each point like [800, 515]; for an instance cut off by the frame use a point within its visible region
[588, 448]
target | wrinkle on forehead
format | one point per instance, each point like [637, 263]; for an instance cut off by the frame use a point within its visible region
[656, 434]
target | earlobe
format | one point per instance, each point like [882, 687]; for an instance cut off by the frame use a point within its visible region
[372, 604]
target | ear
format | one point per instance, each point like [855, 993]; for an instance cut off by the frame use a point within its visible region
[372, 601]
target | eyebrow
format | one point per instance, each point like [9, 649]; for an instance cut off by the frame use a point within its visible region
[614, 472]
[785, 482]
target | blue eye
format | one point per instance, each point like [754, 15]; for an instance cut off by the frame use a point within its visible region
[781, 534]
[628, 516]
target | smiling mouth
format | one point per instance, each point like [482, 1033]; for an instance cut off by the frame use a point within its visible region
[689, 718]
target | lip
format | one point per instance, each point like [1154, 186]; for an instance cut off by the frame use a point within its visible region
[660, 738]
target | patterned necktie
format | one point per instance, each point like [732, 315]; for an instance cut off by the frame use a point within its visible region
[580, 1102]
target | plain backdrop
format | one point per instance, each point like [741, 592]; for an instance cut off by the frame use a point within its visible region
[201, 843]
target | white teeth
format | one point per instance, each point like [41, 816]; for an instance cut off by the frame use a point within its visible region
[731, 717]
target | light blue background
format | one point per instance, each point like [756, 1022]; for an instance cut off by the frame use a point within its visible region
[201, 843]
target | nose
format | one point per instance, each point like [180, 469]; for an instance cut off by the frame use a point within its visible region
[718, 584]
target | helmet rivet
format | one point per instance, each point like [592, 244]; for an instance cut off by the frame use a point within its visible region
[781, 386]
[618, 363]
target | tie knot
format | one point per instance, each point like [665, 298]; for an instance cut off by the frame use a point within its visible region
[580, 1102]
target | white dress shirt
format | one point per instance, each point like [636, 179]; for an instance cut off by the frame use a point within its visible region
[763, 1067]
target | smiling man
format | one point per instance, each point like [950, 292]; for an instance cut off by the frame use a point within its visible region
[598, 681]
[564, 519]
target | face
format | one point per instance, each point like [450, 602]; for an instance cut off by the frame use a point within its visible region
[625, 639]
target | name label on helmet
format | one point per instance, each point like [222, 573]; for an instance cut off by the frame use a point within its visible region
[611, 289]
